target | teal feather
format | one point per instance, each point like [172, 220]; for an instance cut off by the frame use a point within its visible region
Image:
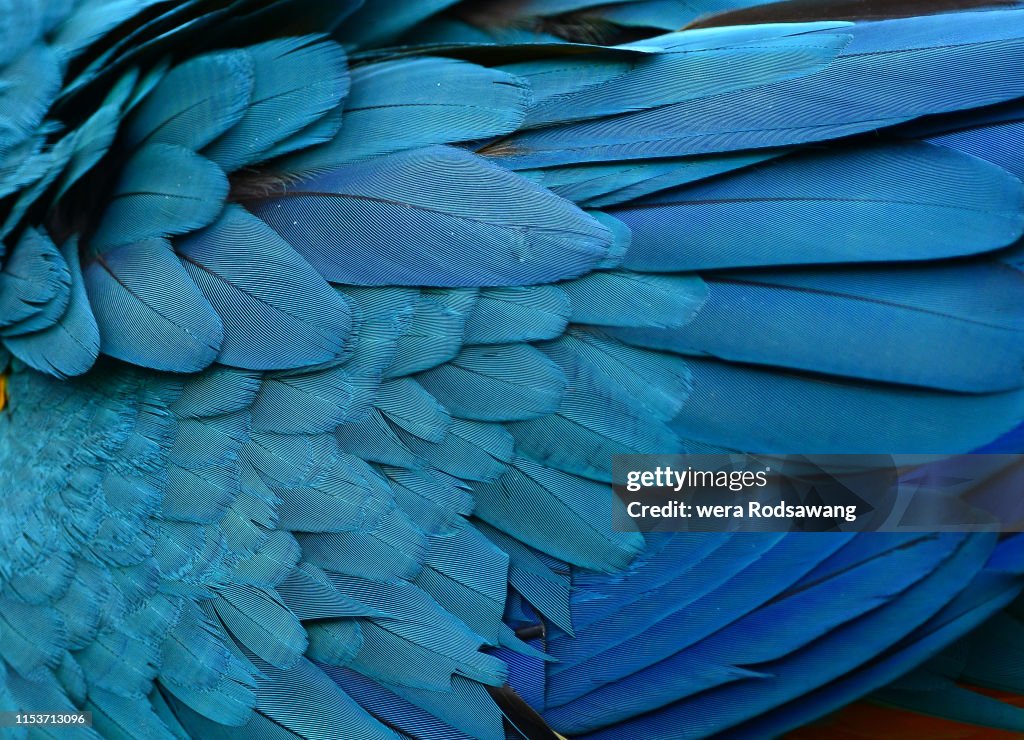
[310, 595]
[630, 299]
[334, 642]
[505, 315]
[385, 547]
[123, 718]
[412, 103]
[342, 495]
[31, 82]
[295, 83]
[538, 505]
[137, 323]
[296, 319]
[68, 347]
[433, 336]
[630, 388]
[470, 386]
[609, 184]
[485, 226]
[257, 619]
[311, 401]
[35, 286]
[193, 103]
[783, 411]
[470, 450]
[742, 58]
[91, 141]
[379, 23]
[164, 190]
[421, 645]
[468, 576]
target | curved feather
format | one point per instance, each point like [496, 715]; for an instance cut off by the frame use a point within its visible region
[288, 320]
[380, 223]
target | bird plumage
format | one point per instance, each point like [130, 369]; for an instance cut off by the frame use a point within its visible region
[323, 322]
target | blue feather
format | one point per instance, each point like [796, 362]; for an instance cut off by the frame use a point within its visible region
[122, 719]
[501, 382]
[860, 91]
[607, 184]
[309, 594]
[92, 19]
[311, 400]
[899, 202]
[193, 103]
[296, 82]
[471, 451]
[394, 710]
[518, 314]
[935, 581]
[31, 82]
[778, 412]
[556, 513]
[385, 547]
[23, 30]
[340, 494]
[599, 417]
[993, 134]
[741, 58]
[537, 577]
[299, 702]
[432, 337]
[70, 346]
[257, 619]
[91, 141]
[165, 325]
[412, 103]
[277, 312]
[433, 217]
[334, 642]
[378, 23]
[468, 576]
[630, 299]
[164, 190]
[220, 390]
[972, 606]
[418, 644]
[35, 285]
[884, 324]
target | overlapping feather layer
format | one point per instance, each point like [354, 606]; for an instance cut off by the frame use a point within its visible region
[353, 335]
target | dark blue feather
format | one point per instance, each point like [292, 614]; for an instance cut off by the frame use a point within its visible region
[869, 204]
[860, 91]
[779, 412]
[883, 324]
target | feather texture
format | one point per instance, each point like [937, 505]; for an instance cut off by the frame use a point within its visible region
[504, 229]
[376, 321]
